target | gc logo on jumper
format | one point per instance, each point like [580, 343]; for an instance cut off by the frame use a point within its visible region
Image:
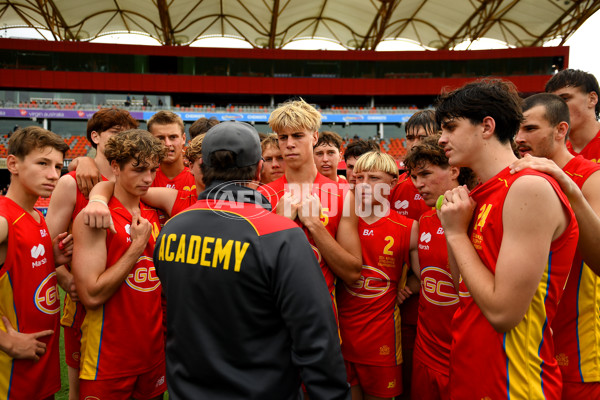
[46, 295]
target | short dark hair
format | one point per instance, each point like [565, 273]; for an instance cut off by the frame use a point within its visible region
[329, 138]
[575, 78]
[202, 125]
[424, 119]
[358, 147]
[477, 100]
[429, 151]
[556, 109]
[106, 118]
[23, 141]
[223, 168]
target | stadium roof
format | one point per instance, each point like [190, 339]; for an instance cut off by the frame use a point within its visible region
[355, 24]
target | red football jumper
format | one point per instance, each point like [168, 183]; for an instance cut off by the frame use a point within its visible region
[591, 151]
[577, 324]
[124, 337]
[405, 198]
[331, 195]
[518, 364]
[368, 312]
[183, 181]
[29, 299]
[439, 300]
[74, 312]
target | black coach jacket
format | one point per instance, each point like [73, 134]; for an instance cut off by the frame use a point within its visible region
[249, 315]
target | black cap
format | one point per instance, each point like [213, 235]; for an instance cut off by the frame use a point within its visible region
[238, 137]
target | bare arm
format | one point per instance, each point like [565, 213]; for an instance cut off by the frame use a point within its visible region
[161, 197]
[532, 217]
[60, 210]
[414, 250]
[413, 282]
[97, 214]
[95, 282]
[343, 253]
[585, 204]
[87, 174]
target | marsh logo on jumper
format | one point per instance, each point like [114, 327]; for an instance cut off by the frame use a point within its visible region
[401, 205]
[36, 253]
[373, 282]
[46, 295]
[128, 230]
[143, 277]
[426, 237]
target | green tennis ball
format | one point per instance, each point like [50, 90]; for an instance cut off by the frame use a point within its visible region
[439, 202]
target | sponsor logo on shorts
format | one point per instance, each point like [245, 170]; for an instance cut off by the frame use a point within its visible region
[562, 359]
[392, 384]
[46, 295]
[384, 350]
[160, 381]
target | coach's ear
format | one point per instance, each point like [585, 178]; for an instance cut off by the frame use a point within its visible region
[489, 127]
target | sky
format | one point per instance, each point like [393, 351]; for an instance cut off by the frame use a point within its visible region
[583, 52]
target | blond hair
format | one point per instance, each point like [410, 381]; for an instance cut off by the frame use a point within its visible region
[194, 148]
[295, 114]
[376, 161]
